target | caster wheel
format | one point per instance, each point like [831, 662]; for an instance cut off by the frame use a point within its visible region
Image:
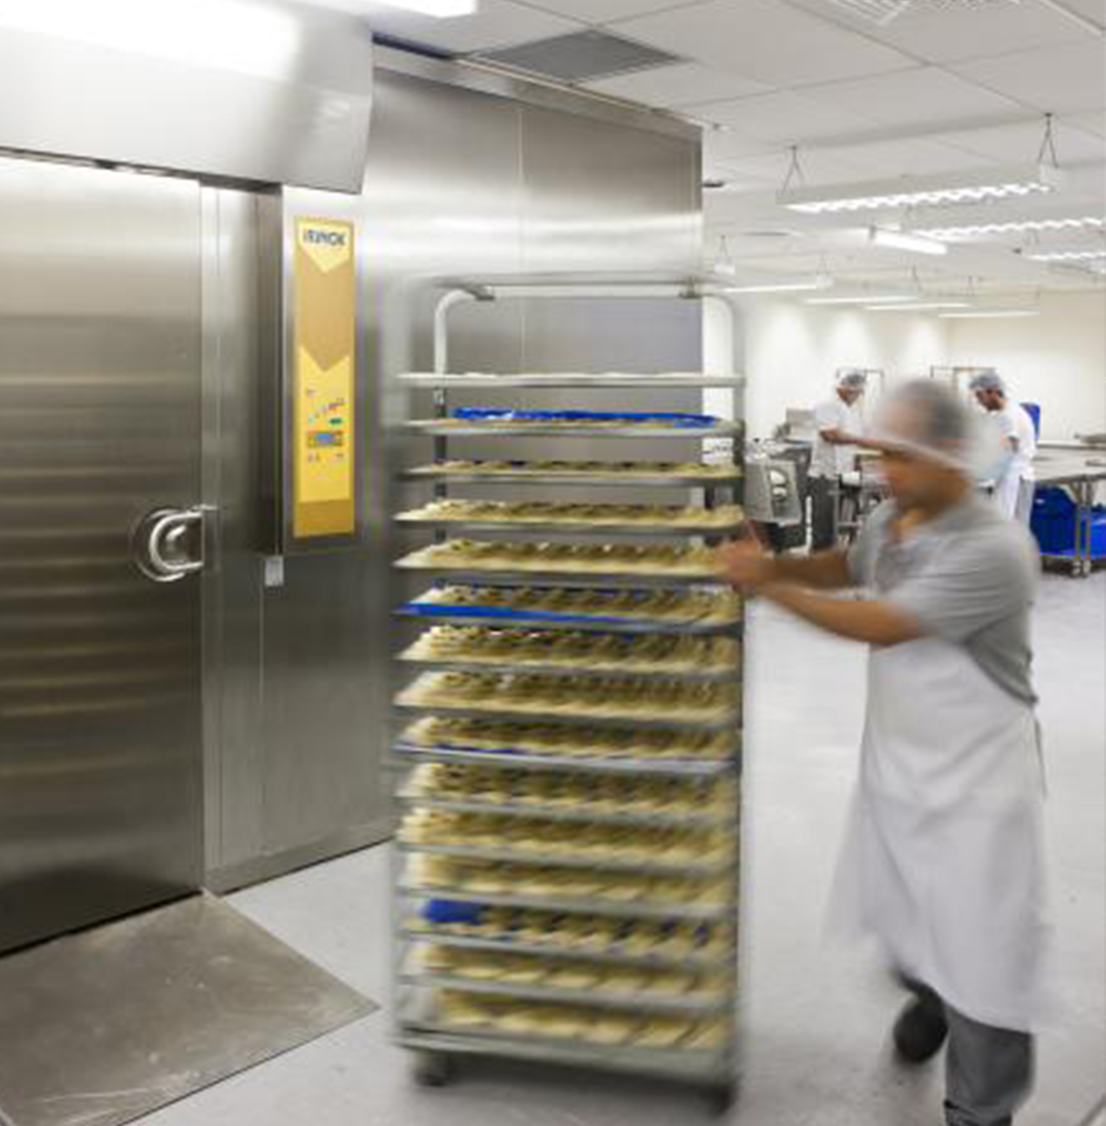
[432, 1069]
[722, 1099]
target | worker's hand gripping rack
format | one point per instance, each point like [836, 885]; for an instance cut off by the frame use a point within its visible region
[567, 744]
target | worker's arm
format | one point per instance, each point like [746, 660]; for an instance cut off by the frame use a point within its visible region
[745, 563]
[878, 623]
[837, 437]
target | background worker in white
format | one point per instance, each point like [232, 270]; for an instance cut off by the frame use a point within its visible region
[943, 861]
[838, 426]
[1015, 487]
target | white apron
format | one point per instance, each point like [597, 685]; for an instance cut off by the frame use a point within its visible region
[943, 860]
[1007, 491]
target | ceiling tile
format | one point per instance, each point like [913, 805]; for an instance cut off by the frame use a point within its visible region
[908, 157]
[725, 147]
[1090, 123]
[677, 86]
[602, 11]
[1015, 144]
[925, 96]
[499, 23]
[765, 40]
[958, 32]
[817, 168]
[782, 117]
[1094, 10]
[1066, 79]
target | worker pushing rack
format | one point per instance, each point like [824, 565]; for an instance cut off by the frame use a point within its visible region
[568, 738]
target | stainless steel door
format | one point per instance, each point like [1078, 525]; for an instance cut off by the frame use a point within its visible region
[100, 709]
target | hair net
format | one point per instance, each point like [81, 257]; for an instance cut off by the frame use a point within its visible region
[848, 380]
[987, 381]
[928, 419]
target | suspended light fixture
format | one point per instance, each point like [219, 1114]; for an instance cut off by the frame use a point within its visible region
[983, 314]
[1013, 227]
[901, 240]
[799, 285]
[439, 9]
[918, 307]
[1067, 255]
[860, 299]
[924, 191]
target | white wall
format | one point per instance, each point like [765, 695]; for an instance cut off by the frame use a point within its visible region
[792, 351]
[1057, 359]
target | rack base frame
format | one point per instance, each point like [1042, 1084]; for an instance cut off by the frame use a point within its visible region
[436, 1056]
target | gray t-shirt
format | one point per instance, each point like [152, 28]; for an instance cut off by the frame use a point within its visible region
[968, 577]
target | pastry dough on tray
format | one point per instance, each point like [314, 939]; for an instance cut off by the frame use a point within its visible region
[570, 742]
[597, 1025]
[642, 700]
[586, 934]
[658, 516]
[541, 841]
[581, 469]
[679, 560]
[533, 881]
[653, 653]
[720, 607]
[579, 793]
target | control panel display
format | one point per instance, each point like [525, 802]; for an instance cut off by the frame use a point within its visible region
[323, 441]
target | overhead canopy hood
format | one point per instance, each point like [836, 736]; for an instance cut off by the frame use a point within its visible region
[266, 91]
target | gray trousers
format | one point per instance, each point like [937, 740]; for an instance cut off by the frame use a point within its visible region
[1027, 490]
[823, 514]
[988, 1071]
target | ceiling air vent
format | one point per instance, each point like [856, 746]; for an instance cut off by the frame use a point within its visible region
[883, 12]
[580, 57]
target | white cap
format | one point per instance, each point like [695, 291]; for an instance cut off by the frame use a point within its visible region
[987, 381]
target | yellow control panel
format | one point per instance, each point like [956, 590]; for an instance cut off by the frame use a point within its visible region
[324, 348]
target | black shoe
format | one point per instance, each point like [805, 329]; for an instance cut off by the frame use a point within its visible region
[920, 1030]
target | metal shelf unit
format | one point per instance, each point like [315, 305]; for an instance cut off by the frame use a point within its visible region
[421, 1023]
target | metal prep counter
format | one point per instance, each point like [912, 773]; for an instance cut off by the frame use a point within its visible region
[1080, 469]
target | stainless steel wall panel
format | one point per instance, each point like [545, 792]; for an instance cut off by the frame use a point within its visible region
[603, 196]
[460, 180]
[100, 741]
[238, 228]
[266, 90]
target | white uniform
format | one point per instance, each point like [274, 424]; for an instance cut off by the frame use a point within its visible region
[829, 460]
[943, 860]
[1014, 489]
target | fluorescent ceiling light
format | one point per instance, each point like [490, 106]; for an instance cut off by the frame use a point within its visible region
[918, 306]
[440, 9]
[900, 240]
[1015, 227]
[1067, 255]
[859, 299]
[802, 286]
[974, 314]
[919, 191]
[239, 35]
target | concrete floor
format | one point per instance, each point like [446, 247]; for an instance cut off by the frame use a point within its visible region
[816, 1017]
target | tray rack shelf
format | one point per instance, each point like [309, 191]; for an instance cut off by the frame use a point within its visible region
[706, 1055]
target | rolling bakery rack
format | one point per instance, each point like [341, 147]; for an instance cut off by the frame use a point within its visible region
[567, 738]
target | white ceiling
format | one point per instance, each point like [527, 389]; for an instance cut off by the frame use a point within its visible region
[944, 88]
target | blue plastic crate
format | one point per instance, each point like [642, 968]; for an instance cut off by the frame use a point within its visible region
[1054, 521]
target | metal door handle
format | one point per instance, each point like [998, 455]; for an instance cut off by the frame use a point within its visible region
[166, 530]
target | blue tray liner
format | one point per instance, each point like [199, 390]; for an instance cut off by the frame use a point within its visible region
[445, 609]
[677, 419]
[446, 911]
